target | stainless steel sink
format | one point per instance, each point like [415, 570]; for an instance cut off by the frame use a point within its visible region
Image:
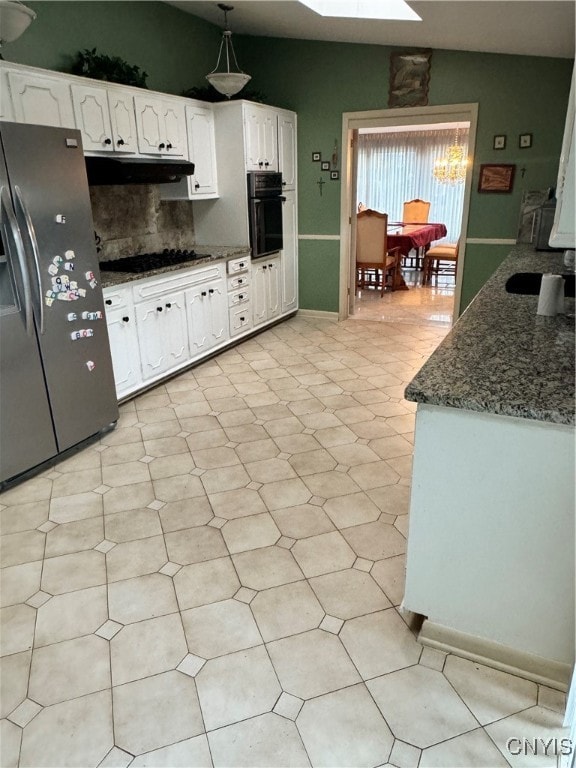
[528, 283]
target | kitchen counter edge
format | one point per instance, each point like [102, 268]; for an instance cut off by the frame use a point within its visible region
[501, 357]
[217, 253]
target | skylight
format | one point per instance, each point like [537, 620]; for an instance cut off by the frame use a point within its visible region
[397, 10]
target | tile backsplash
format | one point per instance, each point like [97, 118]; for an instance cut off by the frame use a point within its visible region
[133, 219]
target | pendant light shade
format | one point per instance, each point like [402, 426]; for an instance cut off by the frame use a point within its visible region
[15, 18]
[223, 80]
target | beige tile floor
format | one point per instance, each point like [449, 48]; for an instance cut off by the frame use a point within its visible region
[218, 581]
[428, 304]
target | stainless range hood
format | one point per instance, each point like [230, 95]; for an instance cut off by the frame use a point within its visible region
[112, 170]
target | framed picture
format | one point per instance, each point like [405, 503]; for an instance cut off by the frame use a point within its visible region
[334, 175]
[499, 142]
[316, 157]
[409, 79]
[496, 178]
[525, 140]
[325, 165]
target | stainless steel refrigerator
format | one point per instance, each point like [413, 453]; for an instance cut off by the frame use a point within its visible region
[56, 380]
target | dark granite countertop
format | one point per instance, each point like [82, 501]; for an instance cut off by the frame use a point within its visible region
[501, 357]
[217, 253]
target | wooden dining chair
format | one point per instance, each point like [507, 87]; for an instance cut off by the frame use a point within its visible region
[373, 259]
[435, 256]
[415, 212]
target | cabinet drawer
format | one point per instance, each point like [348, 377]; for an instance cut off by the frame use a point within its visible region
[238, 297]
[240, 320]
[114, 298]
[238, 281]
[177, 281]
[238, 265]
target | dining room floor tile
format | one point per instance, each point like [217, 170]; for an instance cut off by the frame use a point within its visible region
[218, 581]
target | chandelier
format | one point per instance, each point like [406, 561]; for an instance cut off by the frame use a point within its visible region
[451, 169]
[225, 81]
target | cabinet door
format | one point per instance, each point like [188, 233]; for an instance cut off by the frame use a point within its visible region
[217, 308]
[123, 122]
[92, 116]
[252, 155]
[196, 308]
[149, 125]
[287, 150]
[174, 129]
[154, 356]
[289, 260]
[269, 140]
[175, 330]
[273, 286]
[259, 293]
[201, 144]
[124, 349]
[41, 100]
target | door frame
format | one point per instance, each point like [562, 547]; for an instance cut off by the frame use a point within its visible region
[385, 118]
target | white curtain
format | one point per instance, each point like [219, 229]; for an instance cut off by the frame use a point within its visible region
[396, 167]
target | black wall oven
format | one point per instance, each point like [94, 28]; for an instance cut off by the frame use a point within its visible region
[265, 201]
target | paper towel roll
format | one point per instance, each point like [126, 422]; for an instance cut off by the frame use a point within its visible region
[551, 293]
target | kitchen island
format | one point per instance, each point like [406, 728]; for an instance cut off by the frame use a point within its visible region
[491, 541]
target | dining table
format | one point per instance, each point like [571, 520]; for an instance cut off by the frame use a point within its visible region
[414, 236]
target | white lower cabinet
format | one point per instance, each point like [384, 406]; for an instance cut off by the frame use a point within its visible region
[159, 325]
[162, 334]
[123, 335]
[266, 290]
[207, 316]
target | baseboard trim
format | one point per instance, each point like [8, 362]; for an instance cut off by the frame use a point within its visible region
[554, 674]
[318, 313]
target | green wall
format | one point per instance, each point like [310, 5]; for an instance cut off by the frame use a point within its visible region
[320, 81]
[176, 49]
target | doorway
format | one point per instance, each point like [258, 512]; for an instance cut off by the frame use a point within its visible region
[398, 119]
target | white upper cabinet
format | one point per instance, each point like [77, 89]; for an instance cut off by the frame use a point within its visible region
[203, 184]
[202, 150]
[564, 231]
[161, 126]
[260, 138]
[106, 118]
[41, 99]
[287, 149]
[121, 105]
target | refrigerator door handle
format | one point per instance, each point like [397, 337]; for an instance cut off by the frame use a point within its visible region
[8, 212]
[35, 251]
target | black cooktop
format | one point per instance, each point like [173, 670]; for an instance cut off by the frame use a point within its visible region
[144, 262]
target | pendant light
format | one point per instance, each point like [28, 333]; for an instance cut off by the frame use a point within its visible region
[15, 18]
[225, 81]
[451, 169]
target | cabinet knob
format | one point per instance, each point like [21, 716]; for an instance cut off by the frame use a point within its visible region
[211, 290]
[241, 296]
[120, 142]
[264, 267]
[260, 163]
[107, 141]
[168, 146]
[169, 305]
[242, 319]
[125, 319]
[109, 302]
[270, 265]
[196, 185]
[266, 163]
[203, 293]
[283, 183]
[158, 309]
[161, 146]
